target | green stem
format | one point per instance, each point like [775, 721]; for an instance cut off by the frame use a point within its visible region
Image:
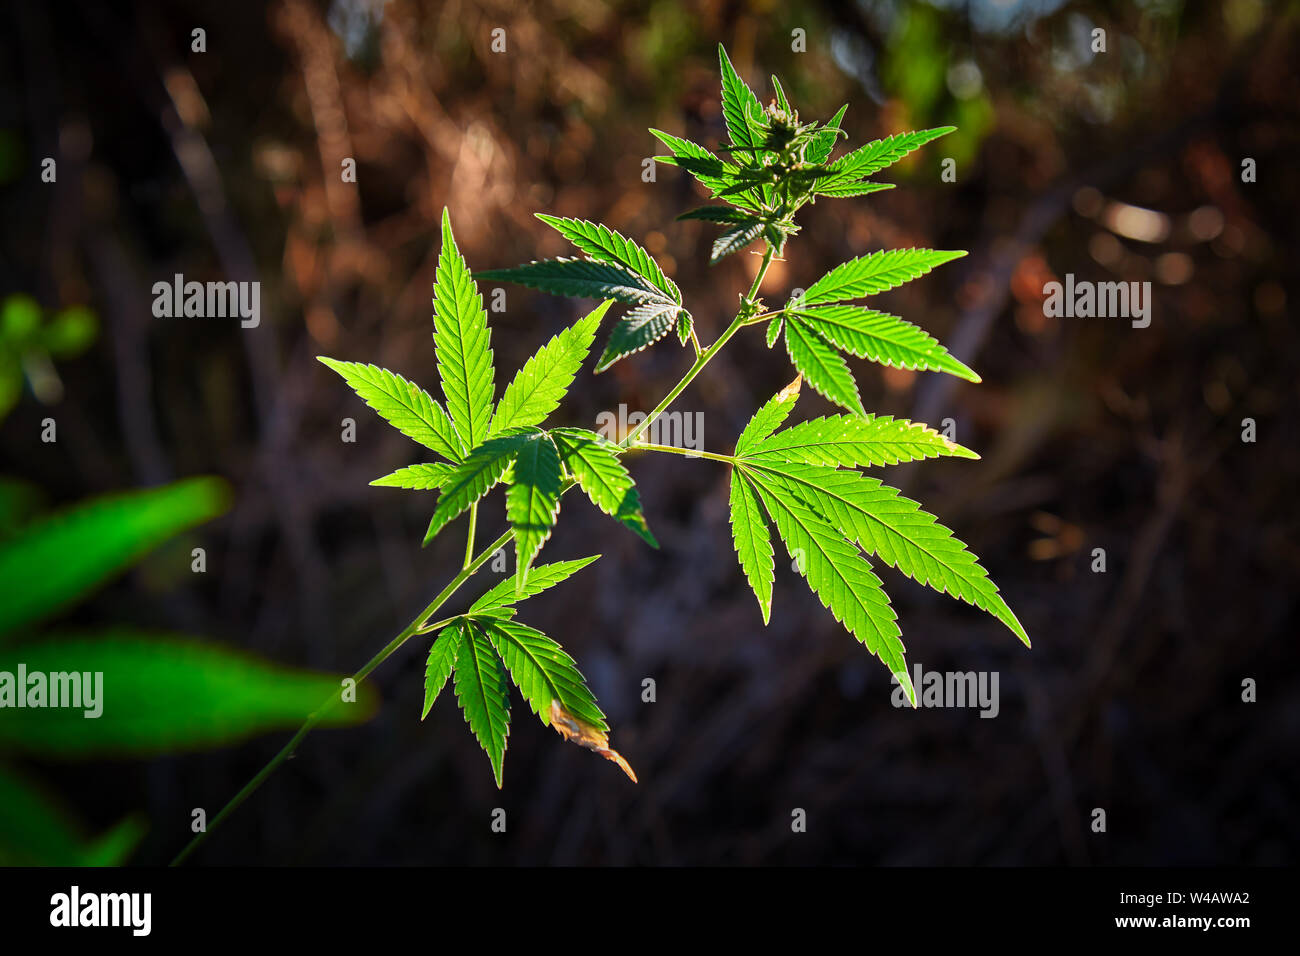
[683, 451]
[702, 360]
[320, 712]
[469, 542]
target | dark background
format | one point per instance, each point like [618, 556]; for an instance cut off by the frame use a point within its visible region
[224, 165]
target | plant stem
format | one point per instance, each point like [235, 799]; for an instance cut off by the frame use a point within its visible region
[469, 542]
[320, 712]
[472, 565]
[682, 451]
[703, 359]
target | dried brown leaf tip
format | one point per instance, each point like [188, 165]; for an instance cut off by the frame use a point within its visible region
[791, 390]
[583, 734]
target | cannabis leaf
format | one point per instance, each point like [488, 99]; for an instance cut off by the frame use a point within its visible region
[837, 573]
[593, 462]
[881, 337]
[770, 417]
[740, 107]
[602, 243]
[815, 328]
[830, 516]
[406, 406]
[718, 214]
[543, 672]
[774, 329]
[442, 658]
[875, 156]
[752, 540]
[639, 329]
[504, 443]
[540, 578]
[744, 115]
[735, 239]
[686, 328]
[460, 342]
[421, 477]
[583, 278]
[818, 362]
[617, 268]
[480, 647]
[894, 528]
[480, 683]
[853, 441]
[823, 141]
[533, 500]
[848, 190]
[713, 173]
[461, 339]
[877, 272]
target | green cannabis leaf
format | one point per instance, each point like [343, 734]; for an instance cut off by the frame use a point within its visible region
[815, 328]
[639, 329]
[615, 267]
[460, 342]
[480, 682]
[604, 244]
[831, 518]
[593, 462]
[533, 501]
[880, 337]
[486, 443]
[823, 367]
[483, 645]
[406, 406]
[540, 579]
[874, 273]
[875, 156]
[583, 278]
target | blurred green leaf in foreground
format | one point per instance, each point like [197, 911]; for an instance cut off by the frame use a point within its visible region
[118, 692]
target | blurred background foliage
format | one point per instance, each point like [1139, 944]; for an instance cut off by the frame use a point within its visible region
[1123, 164]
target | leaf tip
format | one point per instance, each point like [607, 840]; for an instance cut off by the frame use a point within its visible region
[576, 730]
[791, 391]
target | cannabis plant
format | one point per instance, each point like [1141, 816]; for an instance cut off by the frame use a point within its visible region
[804, 479]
